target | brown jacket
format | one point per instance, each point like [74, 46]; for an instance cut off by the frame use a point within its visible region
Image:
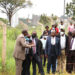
[19, 52]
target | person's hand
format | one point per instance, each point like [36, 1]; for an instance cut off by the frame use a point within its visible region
[32, 45]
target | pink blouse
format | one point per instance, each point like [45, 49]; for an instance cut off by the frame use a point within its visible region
[70, 28]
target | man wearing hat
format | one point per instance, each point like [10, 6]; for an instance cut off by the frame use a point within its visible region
[52, 51]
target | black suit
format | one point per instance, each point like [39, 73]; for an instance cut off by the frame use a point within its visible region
[70, 57]
[26, 63]
[36, 58]
[52, 51]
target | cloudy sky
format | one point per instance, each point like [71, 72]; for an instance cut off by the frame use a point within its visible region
[42, 7]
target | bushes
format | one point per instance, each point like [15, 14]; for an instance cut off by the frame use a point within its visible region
[4, 20]
[13, 33]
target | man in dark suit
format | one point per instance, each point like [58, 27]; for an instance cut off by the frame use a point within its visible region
[37, 53]
[27, 61]
[52, 51]
[70, 66]
[62, 59]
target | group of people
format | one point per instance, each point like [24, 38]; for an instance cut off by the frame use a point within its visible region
[54, 47]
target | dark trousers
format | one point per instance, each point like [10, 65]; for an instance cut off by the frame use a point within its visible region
[43, 60]
[37, 60]
[26, 65]
[70, 61]
[51, 62]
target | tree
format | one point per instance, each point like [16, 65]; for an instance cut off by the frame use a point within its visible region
[45, 19]
[73, 1]
[10, 7]
[70, 9]
[54, 17]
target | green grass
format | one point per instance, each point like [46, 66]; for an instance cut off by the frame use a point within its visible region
[10, 63]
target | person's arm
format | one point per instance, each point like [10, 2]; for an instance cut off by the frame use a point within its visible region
[23, 43]
[46, 49]
[68, 28]
[57, 30]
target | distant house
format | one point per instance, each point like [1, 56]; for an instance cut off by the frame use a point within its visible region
[63, 17]
[34, 21]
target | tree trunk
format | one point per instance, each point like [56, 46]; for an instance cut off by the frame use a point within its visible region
[4, 46]
[10, 19]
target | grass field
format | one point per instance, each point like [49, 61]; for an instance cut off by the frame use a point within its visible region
[10, 63]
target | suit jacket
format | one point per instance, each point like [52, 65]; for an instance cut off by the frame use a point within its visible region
[39, 50]
[19, 51]
[57, 46]
[66, 44]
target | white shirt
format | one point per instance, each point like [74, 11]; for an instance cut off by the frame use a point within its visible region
[53, 40]
[73, 45]
[43, 42]
[62, 42]
[27, 49]
[61, 27]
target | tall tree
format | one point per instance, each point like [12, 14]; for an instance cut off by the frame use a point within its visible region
[73, 0]
[70, 9]
[10, 7]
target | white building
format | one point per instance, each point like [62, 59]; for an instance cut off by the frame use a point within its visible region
[15, 20]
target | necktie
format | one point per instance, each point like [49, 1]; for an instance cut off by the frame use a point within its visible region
[34, 48]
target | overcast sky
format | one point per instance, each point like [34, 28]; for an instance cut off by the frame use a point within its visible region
[42, 7]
